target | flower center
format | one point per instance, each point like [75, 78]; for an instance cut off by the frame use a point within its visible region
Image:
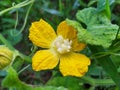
[62, 45]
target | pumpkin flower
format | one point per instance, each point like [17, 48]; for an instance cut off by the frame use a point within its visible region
[60, 47]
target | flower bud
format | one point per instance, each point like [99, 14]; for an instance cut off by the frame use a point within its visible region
[6, 56]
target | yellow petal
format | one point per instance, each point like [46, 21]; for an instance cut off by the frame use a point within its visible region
[74, 64]
[68, 32]
[44, 59]
[77, 46]
[42, 34]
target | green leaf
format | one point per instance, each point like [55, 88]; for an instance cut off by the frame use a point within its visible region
[99, 31]
[68, 82]
[90, 16]
[12, 36]
[96, 71]
[12, 81]
[96, 34]
[116, 60]
[104, 33]
[91, 2]
[87, 16]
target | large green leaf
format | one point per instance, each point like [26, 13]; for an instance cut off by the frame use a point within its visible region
[99, 31]
[96, 34]
[12, 81]
[104, 33]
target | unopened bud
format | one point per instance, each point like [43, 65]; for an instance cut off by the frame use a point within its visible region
[6, 56]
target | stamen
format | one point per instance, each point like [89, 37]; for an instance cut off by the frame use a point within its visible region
[62, 45]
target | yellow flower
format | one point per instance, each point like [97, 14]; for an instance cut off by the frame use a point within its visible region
[59, 48]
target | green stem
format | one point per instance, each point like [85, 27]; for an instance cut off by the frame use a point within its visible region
[23, 69]
[22, 4]
[108, 12]
[33, 50]
[105, 53]
[24, 57]
[16, 23]
[25, 20]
